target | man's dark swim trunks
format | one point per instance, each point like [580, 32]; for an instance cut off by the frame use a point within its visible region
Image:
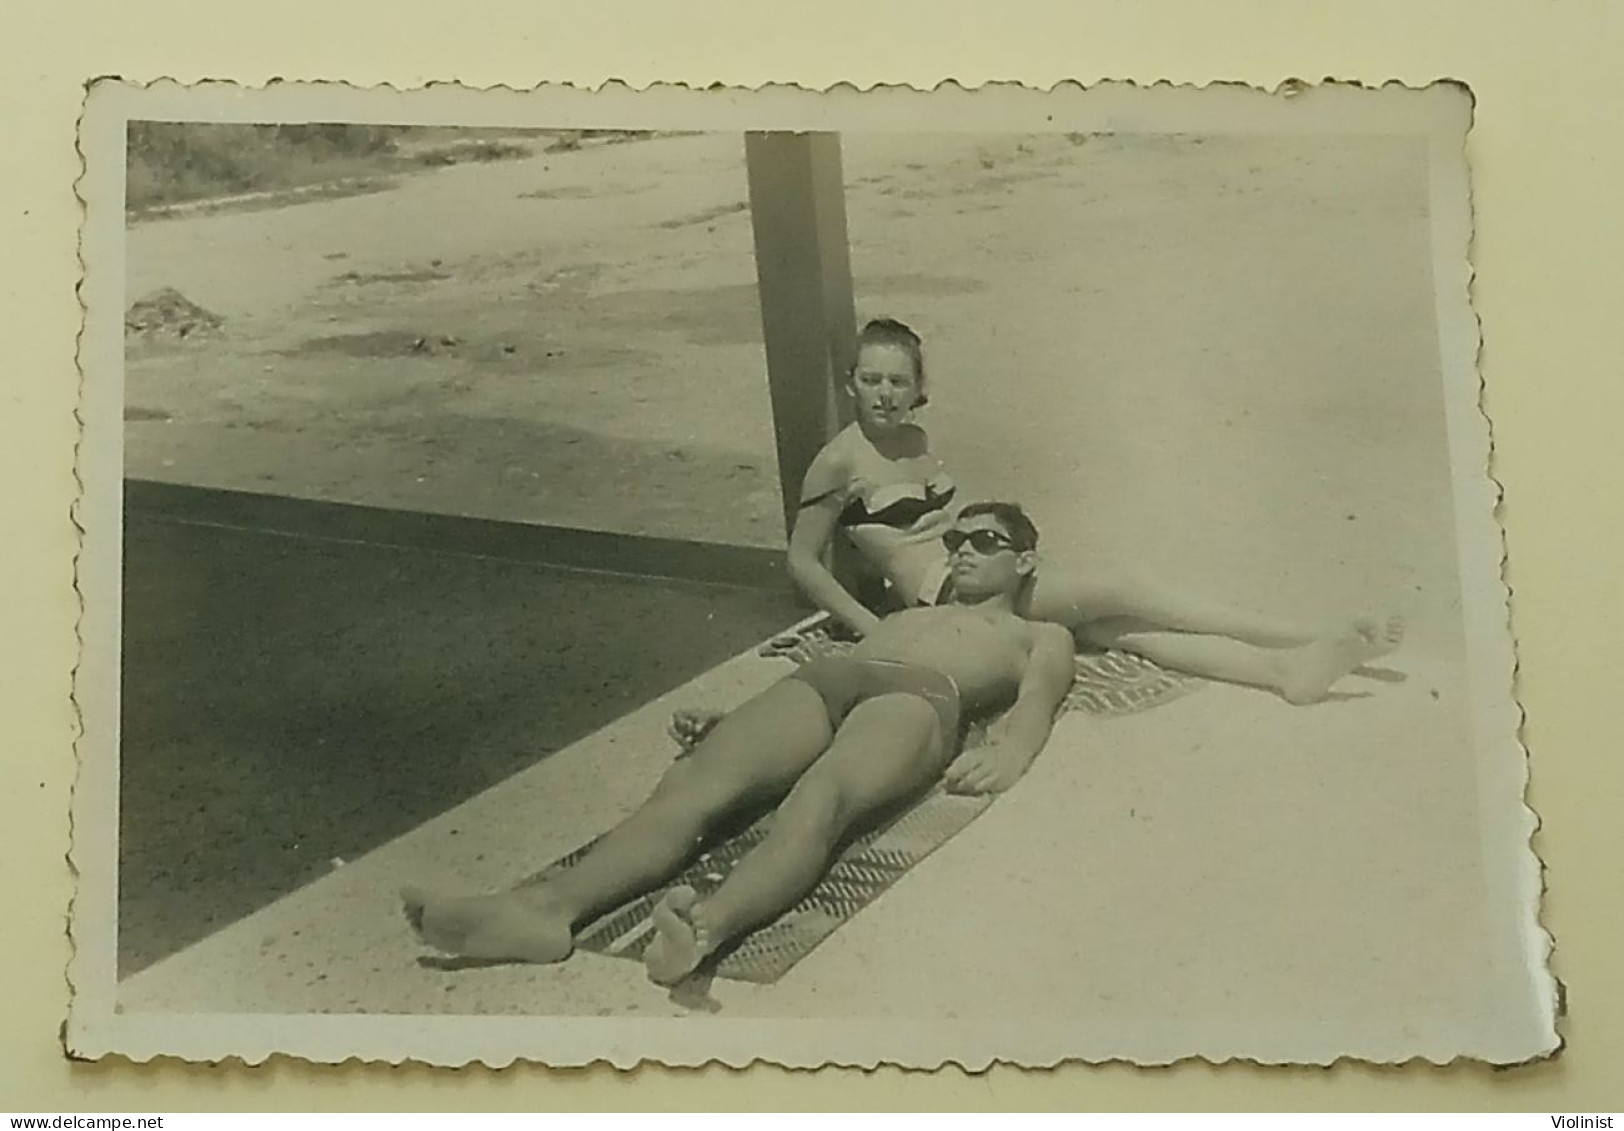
[845, 681]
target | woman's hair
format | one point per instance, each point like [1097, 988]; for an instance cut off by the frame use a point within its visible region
[890, 332]
[1022, 531]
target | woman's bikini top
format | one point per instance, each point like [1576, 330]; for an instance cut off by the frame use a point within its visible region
[898, 528]
[901, 506]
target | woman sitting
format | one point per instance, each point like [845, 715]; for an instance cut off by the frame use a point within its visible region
[878, 483]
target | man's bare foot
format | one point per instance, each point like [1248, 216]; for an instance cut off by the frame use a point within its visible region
[680, 944]
[510, 927]
[1309, 671]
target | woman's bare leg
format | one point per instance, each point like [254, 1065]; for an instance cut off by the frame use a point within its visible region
[1301, 674]
[888, 748]
[1212, 641]
[751, 758]
[1077, 601]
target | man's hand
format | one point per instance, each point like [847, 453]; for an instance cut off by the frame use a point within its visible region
[689, 727]
[986, 769]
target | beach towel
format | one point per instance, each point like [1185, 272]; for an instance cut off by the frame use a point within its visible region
[1106, 684]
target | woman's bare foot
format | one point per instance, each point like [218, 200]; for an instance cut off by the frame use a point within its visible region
[1308, 672]
[510, 927]
[680, 944]
[1384, 635]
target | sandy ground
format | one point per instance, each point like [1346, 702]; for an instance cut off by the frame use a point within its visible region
[1214, 359]
[1222, 875]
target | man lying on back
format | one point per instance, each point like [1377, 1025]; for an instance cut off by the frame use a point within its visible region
[834, 743]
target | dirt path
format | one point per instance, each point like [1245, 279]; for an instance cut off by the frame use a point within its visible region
[1214, 358]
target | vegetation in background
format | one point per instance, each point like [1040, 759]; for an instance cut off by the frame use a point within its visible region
[172, 162]
[180, 162]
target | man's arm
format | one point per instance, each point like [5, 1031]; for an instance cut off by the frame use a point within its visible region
[1023, 732]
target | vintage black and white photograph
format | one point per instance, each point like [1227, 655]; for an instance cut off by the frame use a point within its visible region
[870, 577]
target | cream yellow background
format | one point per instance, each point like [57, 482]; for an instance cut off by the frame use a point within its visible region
[1547, 168]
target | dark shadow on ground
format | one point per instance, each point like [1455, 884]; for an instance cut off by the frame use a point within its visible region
[291, 702]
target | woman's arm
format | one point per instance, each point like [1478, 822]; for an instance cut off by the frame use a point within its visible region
[824, 493]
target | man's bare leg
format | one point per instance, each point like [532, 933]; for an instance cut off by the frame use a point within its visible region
[1302, 674]
[888, 748]
[751, 758]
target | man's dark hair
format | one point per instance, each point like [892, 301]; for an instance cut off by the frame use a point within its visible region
[1021, 530]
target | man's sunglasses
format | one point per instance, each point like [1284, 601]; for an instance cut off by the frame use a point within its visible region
[981, 541]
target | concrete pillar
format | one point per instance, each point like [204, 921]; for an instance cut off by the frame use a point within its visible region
[803, 267]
